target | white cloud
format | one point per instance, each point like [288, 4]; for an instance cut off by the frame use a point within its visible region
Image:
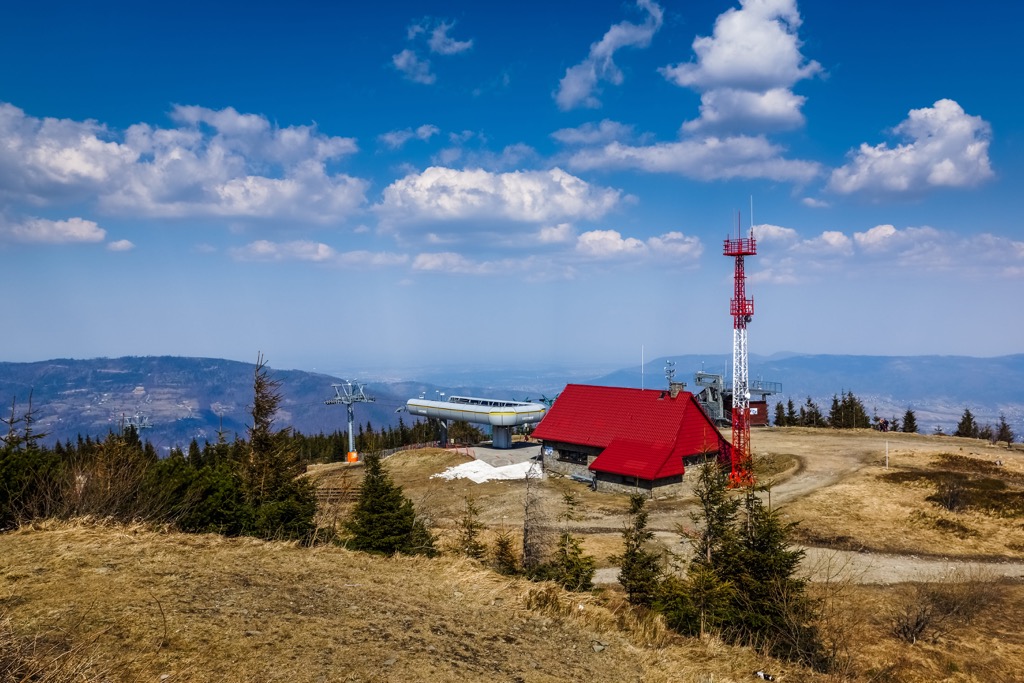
[314, 252]
[45, 231]
[731, 109]
[766, 232]
[120, 245]
[828, 242]
[441, 43]
[594, 134]
[676, 245]
[580, 81]
[946, 148]
[413, 68]
[556, 234]
[215, 163]
[814, 203]
[299, 250]
[610, 244]
[709, 158]
[525, 196]
[511, 157]
[47, 159]
[397, 138]
[450, 262]
[886, 247]
[747, 68]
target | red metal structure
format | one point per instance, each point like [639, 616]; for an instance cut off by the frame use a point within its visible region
[742, 310]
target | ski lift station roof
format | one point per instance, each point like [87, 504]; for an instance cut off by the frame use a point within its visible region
[494, 412]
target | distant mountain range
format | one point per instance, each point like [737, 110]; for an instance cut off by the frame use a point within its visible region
[185, 398]
[937, 388]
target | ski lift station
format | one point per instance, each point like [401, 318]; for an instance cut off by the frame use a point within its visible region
[502, 416]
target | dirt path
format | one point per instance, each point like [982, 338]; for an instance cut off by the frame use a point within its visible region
[837, 456]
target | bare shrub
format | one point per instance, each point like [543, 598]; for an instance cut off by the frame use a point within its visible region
[43, 660]
[930, 610]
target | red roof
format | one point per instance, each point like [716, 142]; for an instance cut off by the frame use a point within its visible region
[645, 433]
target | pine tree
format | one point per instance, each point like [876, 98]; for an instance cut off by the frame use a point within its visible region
[383, 520]
[810, 415]
[1003, 431]
[791, 419]
[569, 566]
[504, 558]
[640, 569]
[716, 514]
[742, 580]
[909, 422]
[967, 426]
[780, 415]
[848, 412]
[281, 504]
[467, 541]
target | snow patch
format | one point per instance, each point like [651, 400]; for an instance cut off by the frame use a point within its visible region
[479, 471]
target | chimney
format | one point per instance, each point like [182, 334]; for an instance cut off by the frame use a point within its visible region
[675, 387]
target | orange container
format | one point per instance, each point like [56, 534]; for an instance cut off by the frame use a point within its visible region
[353, 456]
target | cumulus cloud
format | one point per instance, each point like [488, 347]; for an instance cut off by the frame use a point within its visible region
[946, 147]
[214, 163]
[885, 246]
[815, 203]
[397, 138]
[828, 242]
[610, 244]
[314, 252]
[595, 133]
[746, 69]
[120, 245]
[556, 234]
[524, 196]
[576, 89]
[767, 232]
[708, 158]
[413, 68]
[45, 231]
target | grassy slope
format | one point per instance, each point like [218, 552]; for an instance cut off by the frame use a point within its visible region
[141, 604]
[213, 609]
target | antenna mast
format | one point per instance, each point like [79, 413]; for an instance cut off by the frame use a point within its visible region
[742, 310]
[350, 393]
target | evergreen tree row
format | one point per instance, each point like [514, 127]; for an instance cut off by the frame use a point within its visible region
[969, 427]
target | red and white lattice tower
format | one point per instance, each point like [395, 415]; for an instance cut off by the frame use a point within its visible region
[742, 310]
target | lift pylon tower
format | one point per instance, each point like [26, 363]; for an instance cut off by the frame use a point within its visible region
[742, 310]
[350, 393]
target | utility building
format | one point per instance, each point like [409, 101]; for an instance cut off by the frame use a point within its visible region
[628, 439]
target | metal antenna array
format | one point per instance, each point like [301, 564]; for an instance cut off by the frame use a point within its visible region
[350, 393]
[742, 310]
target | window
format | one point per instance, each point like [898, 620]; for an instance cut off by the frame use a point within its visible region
[574, 457]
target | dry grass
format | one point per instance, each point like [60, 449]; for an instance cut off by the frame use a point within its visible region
[205, 608]
[132, 603]
[888, 510]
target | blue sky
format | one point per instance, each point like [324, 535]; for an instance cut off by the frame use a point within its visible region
[348, 186]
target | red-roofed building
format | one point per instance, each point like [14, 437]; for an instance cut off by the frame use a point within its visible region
[624, 439]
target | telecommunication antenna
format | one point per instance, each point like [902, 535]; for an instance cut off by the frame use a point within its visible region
[742, 310]
[670, 371]
[350, 393]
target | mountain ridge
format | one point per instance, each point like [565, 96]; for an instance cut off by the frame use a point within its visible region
[193, 397]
